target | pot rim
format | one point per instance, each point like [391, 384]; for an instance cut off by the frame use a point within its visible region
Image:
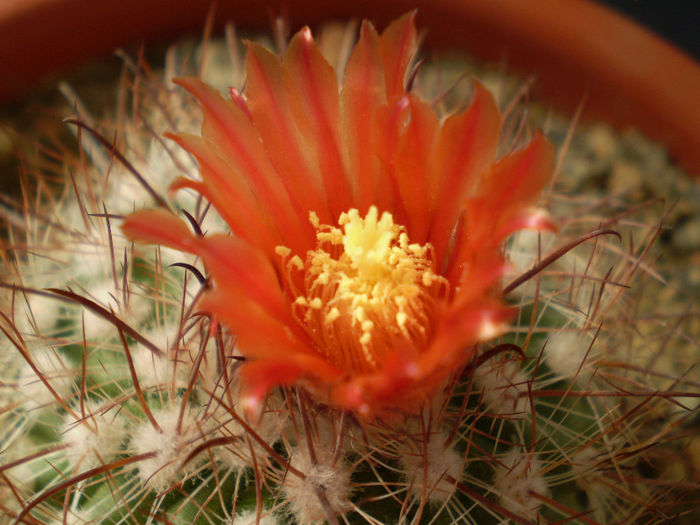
[579, 51]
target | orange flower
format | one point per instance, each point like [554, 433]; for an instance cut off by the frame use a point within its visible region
[366, 252]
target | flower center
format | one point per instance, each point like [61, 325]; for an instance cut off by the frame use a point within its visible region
[366, 290]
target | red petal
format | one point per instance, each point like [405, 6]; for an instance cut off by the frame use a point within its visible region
[477, 274]
[158, 226]
[407, 142]
[502, 203]
[258, 333]
[389, 125]
[273, 105]
[229, 193]
[239, 100]
[517, 179]
[231, 129]
[458, 331]
[236, 265]
[363, 93]
[259, 377]
[398, 46]
[394, 387]
[466, 148]
[317, 86]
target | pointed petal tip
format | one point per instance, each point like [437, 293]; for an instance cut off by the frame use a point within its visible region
[193, 85]
[367, 30]
[398, 44]
[303, 38]
[306, 35]
[406, 21]
[490, 329]
[183, 182]
[183, 81]
[540, 219]
[158, 226]
[239, 99]
[256, 50]
[252, 407]
[171, 135]
[349, 395]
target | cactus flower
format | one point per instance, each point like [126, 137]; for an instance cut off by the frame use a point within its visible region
[364, 258]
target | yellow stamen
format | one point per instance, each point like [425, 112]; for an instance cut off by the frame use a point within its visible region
[366, 290]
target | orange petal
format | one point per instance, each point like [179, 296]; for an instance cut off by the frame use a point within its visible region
[258, 333]
[363, 93]
[408, 133]
[388, 127]
[317, 85]
[237, 265]
[259, 377]
[231, 129]
[158, 226]
[240, 101]
[503, 200]
[466, 148]
[476, 274]
[248, 297]
[517, 179]
[273, 105]
[393, 387]
[526, 219]
[458, 331]
[229, 193]
[398, 46]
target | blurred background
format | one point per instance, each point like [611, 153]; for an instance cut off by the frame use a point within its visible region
[676, 20]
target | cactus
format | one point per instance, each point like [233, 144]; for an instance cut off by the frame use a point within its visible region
[122, 399]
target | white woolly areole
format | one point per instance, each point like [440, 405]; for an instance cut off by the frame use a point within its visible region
[427, 470]
[72, 517]
[158, 370]
[152, 370]
[10, 501]
[39, 315]
[583, 465]
[332, 478]
[53, 370]
[171, 447]
[523, 250]
[504, 387]
[586, 474]
[515, 478]
[94, 439]
[105, 295]
[237, 453]
[567, 355]
[24, 474]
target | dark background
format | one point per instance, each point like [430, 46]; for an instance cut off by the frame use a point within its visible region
[675, 20]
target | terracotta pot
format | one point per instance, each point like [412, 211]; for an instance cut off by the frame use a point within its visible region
[577, 49]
